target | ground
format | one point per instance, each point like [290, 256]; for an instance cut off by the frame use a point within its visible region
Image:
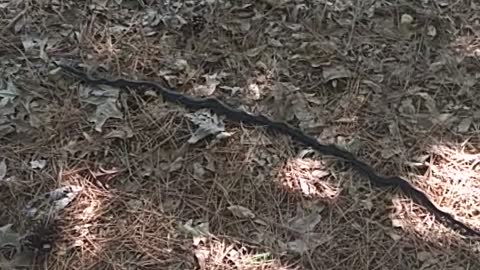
[395, 82]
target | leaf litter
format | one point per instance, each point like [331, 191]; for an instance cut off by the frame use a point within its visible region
[241, 211]
[3, 170]
[38, 164]
[11, 240]
[105, 98]
[207, 89]
[50, 203]
[198, 229]
[207, 124]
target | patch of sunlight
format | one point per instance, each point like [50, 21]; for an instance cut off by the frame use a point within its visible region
[451, 180]
[310, 177]
[221, 255]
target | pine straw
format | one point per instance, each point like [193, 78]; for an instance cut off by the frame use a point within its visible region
[140, 192]
[135, 221]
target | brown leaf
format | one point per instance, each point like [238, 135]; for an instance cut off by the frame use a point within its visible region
[394, 236]
[464, 125]
[202, 254]
[176, 165]
[336, 72]
[3, 170]
[20, 23]
[431, 31]
[198, 170]
[407, 107]
[255, 51]
[122, 132]
[241, 211]
[205, 90]
[397, 223]
[275, 43]
[305, 223]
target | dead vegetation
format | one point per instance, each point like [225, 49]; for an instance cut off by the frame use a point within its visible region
[395, 82]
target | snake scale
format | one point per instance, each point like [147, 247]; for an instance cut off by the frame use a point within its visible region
[235, 115]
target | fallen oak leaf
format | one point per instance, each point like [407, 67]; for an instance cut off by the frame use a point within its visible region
[241, 211]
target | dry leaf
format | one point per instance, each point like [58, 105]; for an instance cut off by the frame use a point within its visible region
[98, 94]
[397, 223]
[176, 165]
[105, 97]
[432, 31]
[202, 254]
[63, 196]
[320, 173]
[135, 204]
[8, 236]
[336, 72]
[241, 212]
[476, 115]
[181, 65]
[104, 111]
[423, 256]
[8, 92]
[443, 3]
[299, 246]
[444, 119]
[38, 164]
[368, 204]
[464, 125]
[207, 123]
[305, 223]
[245, 26]
[122, 133]
[307, 242]
[428, 258]
[19, 24]
[406, 25]
[10, 241]
[429, 102]
[389, 152]
[407, 107]
[275, 43]
[199, 231]
[29, 42]
[255, 51]
[406, 19]
[3, 170]
[253, 91]
[198, 170]
[211, 83]
[394, 236]
[260, 222]
[56, 200]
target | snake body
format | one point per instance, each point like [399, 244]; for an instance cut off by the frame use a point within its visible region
[221, 108]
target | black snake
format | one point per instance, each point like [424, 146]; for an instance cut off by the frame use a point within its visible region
[219, 107]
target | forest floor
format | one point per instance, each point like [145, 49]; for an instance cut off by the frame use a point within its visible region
[395, 82]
